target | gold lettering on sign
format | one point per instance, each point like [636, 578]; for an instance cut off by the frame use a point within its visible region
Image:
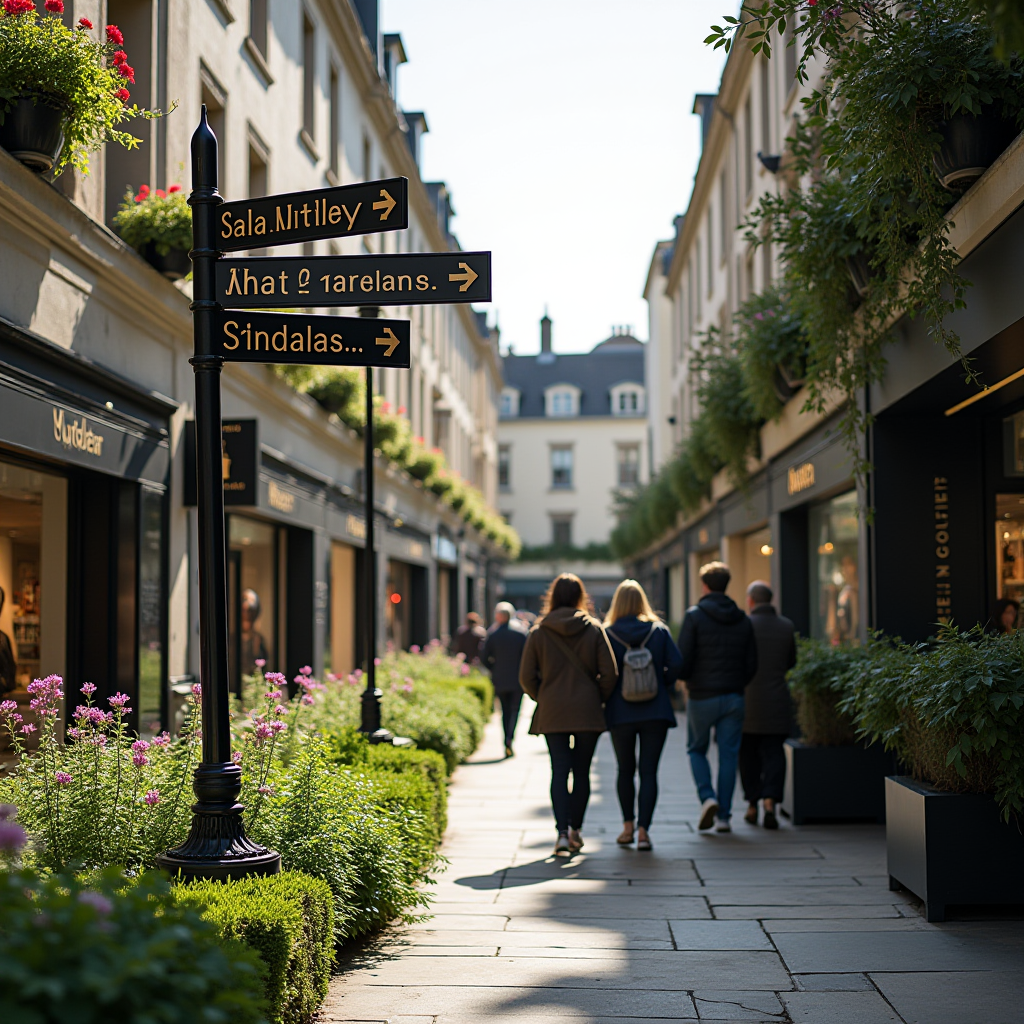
[943, 584]
[78, 435]
[800, 478]
[279, 498]
[356, 527]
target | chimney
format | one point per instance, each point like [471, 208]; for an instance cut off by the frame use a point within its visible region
[545, 333]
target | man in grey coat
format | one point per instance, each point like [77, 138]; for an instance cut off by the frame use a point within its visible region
[769, 710]
[501, 654]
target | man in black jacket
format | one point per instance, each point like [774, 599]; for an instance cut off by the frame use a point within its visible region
[769, 713]
[501, 653]
[719, 659]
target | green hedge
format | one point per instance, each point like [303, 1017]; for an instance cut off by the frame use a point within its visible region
[288, 919]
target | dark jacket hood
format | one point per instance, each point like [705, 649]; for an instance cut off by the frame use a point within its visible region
[721, 608]
[567, 621]
[630, 629]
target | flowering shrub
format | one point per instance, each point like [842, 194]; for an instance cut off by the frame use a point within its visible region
[86, 78]
[110, 949]
[163, 218]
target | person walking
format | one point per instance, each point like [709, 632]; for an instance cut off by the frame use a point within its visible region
[468, 639]
[501, 654]
[719, 655]
[568, 668]
[640, 711]
[769, 711]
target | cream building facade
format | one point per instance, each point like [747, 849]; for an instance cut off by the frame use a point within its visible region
[98, 558]
[572, 434]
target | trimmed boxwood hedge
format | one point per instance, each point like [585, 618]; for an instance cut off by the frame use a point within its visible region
[288, 919]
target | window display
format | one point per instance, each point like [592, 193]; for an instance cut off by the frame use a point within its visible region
[835, 570]
[1009, 561]
[252, 596]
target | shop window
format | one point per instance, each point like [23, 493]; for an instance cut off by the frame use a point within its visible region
[253, 585]
[561, 467]
[1009, 554]
[151, 610]
[1013, 445]
[835, 572]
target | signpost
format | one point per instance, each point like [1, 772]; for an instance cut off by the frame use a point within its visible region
[225, 329]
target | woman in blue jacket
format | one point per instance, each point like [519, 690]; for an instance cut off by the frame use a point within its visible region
[631, 623]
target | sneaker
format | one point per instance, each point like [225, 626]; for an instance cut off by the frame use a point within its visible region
[562, 848]
[575, 840]
[708, 810]
[721, 825]
[508, 750]
[770, 821]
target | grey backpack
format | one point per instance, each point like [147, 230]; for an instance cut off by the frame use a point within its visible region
[639, 676]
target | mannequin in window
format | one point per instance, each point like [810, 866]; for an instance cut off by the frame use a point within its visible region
[847, 610]
[8, 666]
[253, 647]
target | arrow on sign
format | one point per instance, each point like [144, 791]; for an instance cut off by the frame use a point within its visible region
[387, 204]
[467, 278]
[391, 341]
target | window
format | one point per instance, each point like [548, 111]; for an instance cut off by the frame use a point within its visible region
[561, 467]
[504, 466]
[258, 25]
[629, 401]
[561, 401]
[835, 608]
[561, 531]
[790, 42]
[722, 217]
[629, 465]
[748, 147]
[711, 257]
[308, 74]
[335, 125]
[367, 158]
[766, 110]
[509, 402]
[258, 161]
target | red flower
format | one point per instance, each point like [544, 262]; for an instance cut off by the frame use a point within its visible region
[174, 188]
[161, 194]
[114, 35]
[120, 58]
[19, 7]
[143, 189]
[54, 6]
[126, 71]
[122, 95]
[85, 24]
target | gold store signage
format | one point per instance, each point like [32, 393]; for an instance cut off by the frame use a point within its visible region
[76, 434]
[279, 498]
[800, 478]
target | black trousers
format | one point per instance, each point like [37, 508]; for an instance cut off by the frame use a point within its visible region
[652, 741]
[762, 766]
[510, 713]
[569, 807]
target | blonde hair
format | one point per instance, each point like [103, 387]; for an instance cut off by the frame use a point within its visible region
[630, 599]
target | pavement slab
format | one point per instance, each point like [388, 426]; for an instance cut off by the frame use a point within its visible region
[753, 926]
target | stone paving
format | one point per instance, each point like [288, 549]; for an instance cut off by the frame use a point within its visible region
[754, 926]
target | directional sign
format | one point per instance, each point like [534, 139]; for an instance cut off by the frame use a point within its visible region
[407, 280]
[322, 340]
[361, 209]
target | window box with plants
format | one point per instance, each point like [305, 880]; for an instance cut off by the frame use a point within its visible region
[831, 775]
[63, 92]
[158, 225]
[950, 710]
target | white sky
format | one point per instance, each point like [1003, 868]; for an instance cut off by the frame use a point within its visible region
[564, 131]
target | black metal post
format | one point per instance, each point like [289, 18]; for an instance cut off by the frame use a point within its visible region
[371, 695]
[217, 846]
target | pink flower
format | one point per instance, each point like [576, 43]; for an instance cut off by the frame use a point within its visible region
[28, 729]
[75, 734]
[236, 757]
[260, 662]
[465, 669]
[276, 680]
[140, 760]
[272, 695]
[163, 740]
[54, 6]
[265, 790]
[278, 726]
[88, 689]
[12, 836]
[140, 745]
[306, 670]
[114, 35]
[307, 699]
[358, 672]
[263, 731]
[152, 797]
[197, 689]
[97, 901]
[62, 778]
[407, 687]
[8, 706]
[376, 661]
[119, 700]
[415, 649]
[281, 709]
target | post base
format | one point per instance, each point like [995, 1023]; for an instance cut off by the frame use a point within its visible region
[258, 861]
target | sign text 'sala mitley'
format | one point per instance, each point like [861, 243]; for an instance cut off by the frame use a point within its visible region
[386, 280]
[246, 337]
[362, 209]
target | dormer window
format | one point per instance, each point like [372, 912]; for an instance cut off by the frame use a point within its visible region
[627, 400]
[509, 403]
[562, 400]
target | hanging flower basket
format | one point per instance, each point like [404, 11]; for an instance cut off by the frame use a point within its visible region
[970, 145]
[158, 225]
[62, 92]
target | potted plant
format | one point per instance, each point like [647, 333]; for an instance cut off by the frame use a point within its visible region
[830, 774]
[62, 92]
[159, 225]
[951, 712]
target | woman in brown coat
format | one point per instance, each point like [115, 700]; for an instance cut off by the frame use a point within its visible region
[568, 668]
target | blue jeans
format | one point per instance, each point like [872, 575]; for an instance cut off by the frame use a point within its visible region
[725, 715]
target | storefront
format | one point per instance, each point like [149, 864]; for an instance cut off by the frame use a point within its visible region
[84, 465]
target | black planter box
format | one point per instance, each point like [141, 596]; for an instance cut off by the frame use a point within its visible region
[951, 848]
[835, 783]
